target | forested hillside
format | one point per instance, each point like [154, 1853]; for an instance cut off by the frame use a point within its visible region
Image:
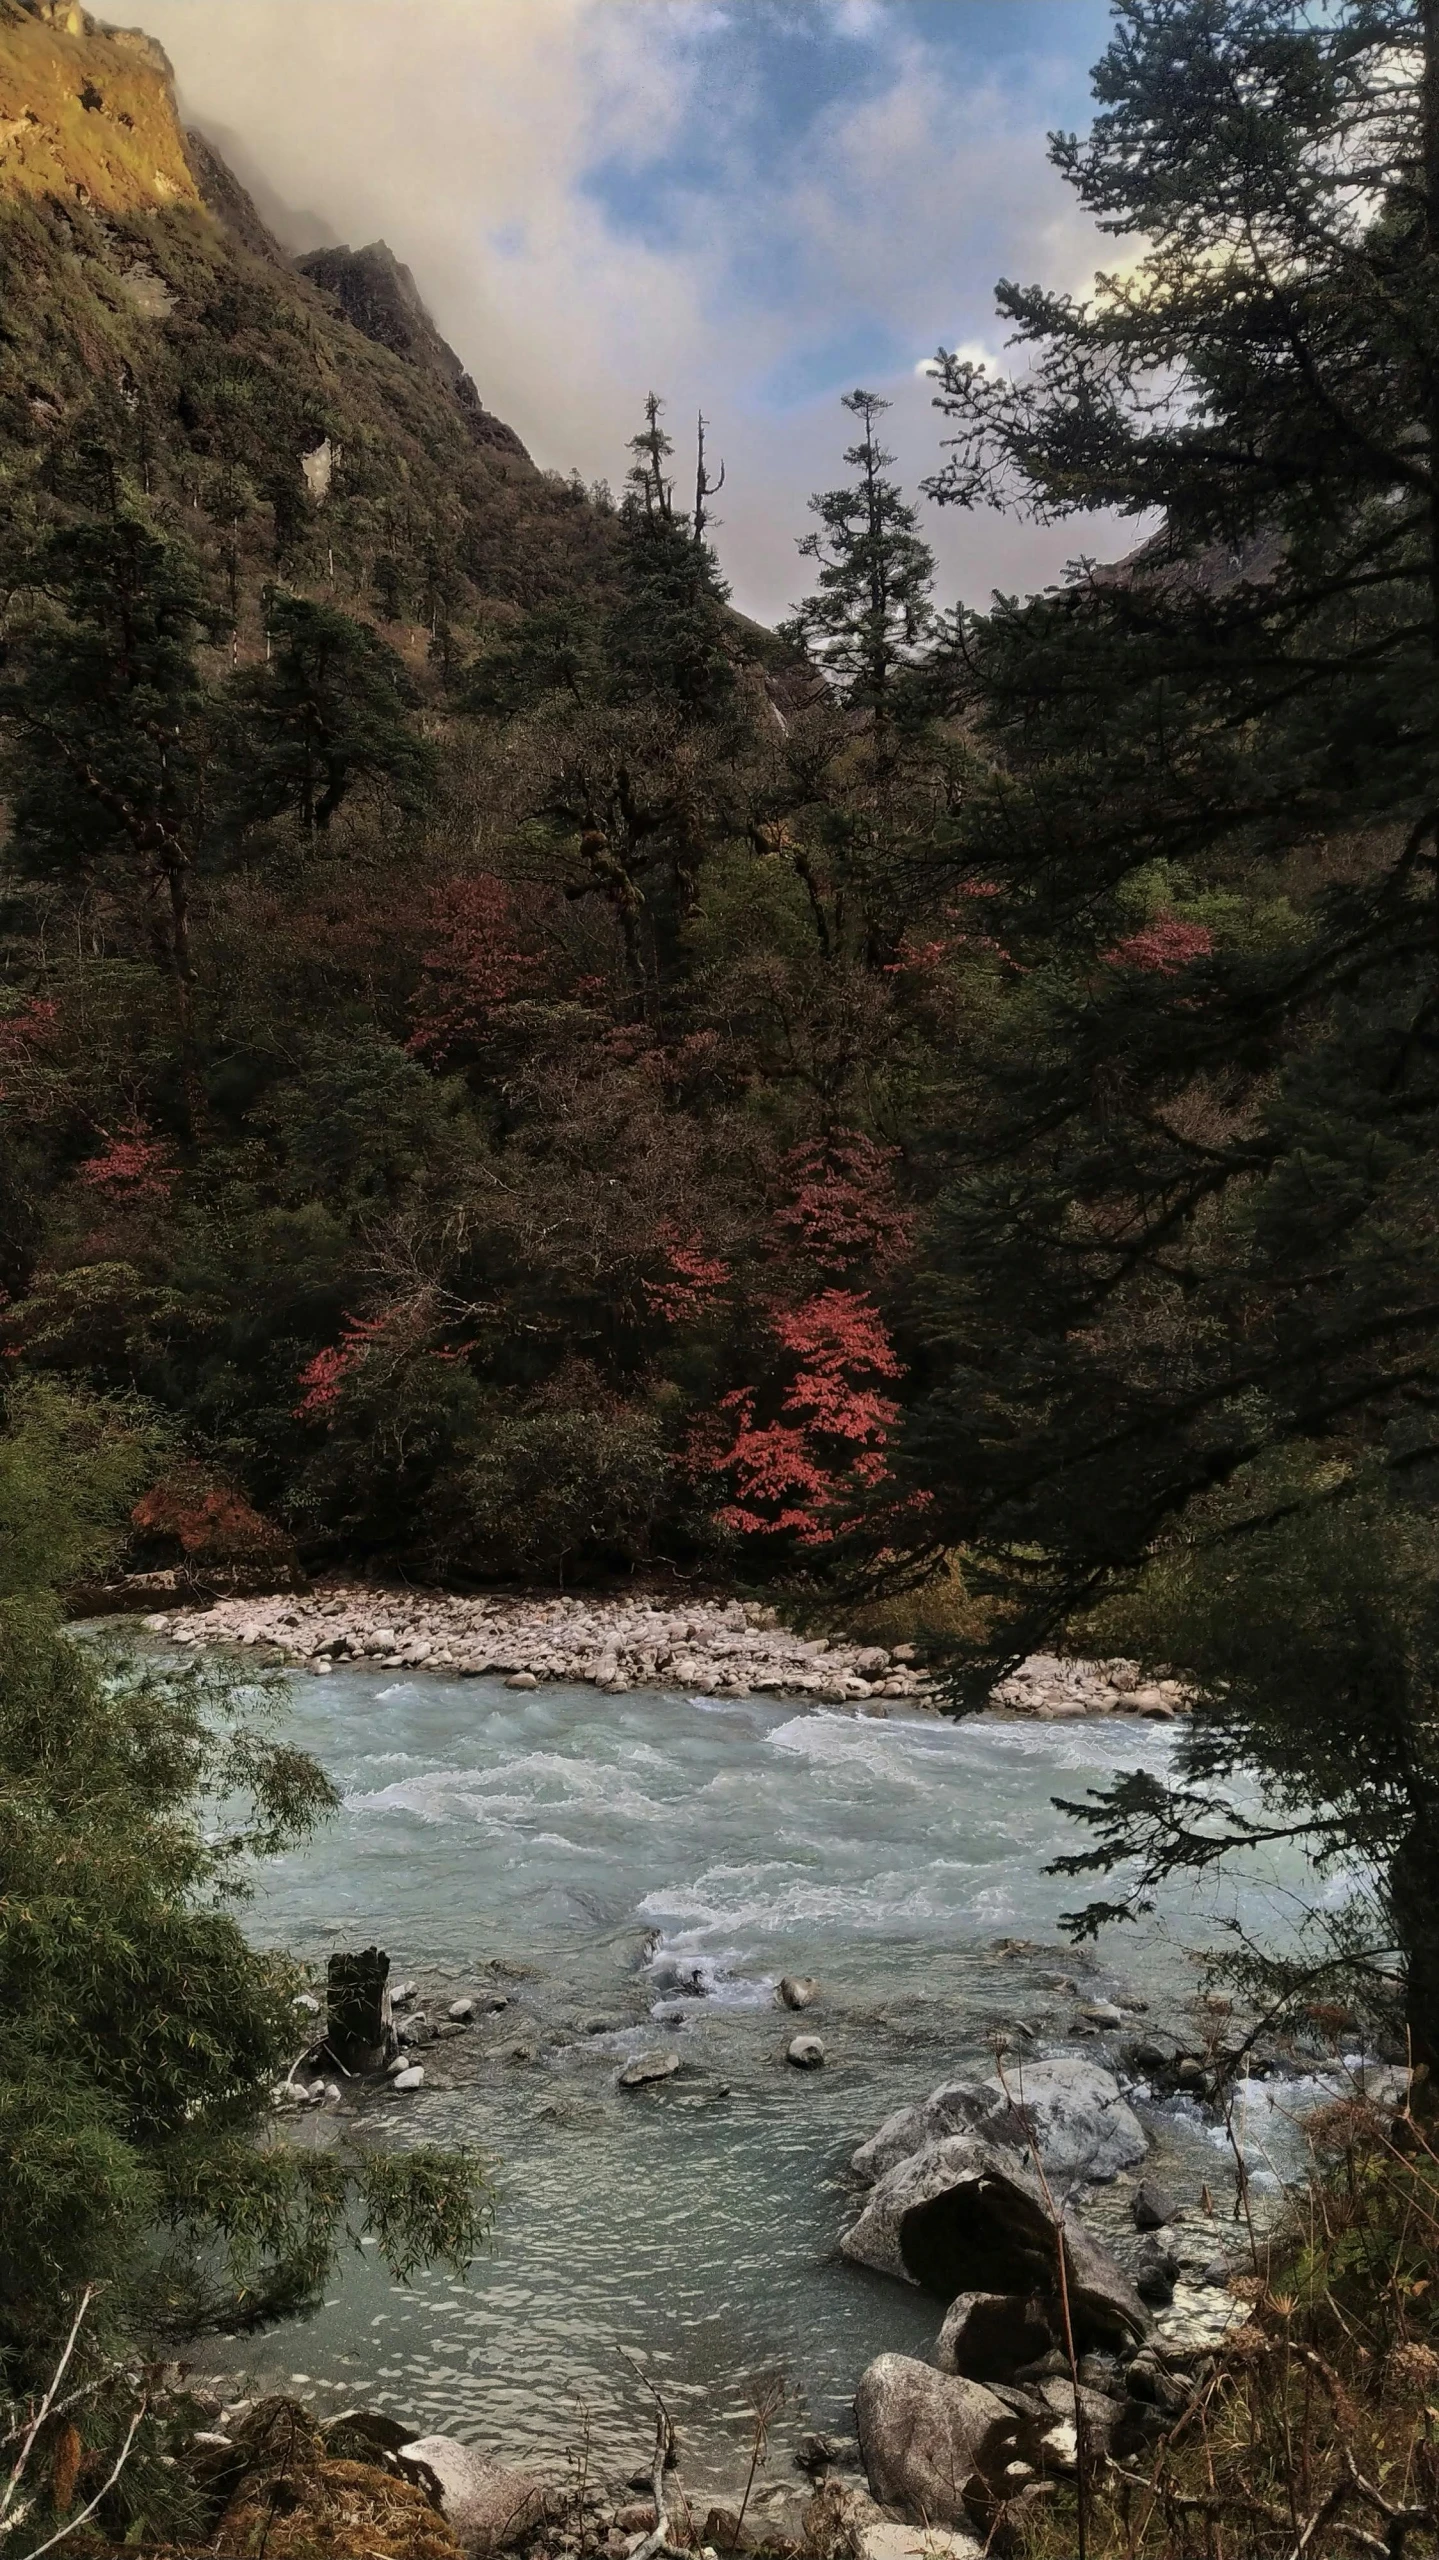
[470, 1014]
[510, 1071]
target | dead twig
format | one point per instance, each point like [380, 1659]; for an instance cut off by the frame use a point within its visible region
[121, 2458]
[9, 2517]
[659, 2539]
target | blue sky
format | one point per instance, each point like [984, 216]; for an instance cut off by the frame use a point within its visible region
[749, 205]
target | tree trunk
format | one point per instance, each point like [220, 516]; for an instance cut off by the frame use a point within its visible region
[1414, 1905]
[360, 2031]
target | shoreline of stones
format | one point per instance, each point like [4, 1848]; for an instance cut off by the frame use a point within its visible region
[721, 1648]
[955, 2195]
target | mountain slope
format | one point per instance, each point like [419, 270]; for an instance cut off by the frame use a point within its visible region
[147, 308]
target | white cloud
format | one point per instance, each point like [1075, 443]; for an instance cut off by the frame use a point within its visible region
[468, 136]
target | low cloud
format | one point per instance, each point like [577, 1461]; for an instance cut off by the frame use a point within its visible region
[599, 197]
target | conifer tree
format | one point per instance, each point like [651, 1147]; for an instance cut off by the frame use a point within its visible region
[1190, 1289]
[871, 608]
[667, 637]
[332, 707]
[107, 725]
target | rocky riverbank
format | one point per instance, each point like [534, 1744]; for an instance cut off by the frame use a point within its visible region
[731, 1649]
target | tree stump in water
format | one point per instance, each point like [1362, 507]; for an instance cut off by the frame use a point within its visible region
[360, 2033]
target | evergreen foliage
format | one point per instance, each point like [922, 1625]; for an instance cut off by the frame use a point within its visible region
[327, 710]
[106, 708]
[557, 968]
[1186, 1288]
[139, 2032]
[871, 610]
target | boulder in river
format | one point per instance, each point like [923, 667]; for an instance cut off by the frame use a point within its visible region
[1072, 2112]
[968, 2217]
[359, 2028]
[932, 2442]
[798, 1990]
[988, 2336]
[1151, 2208]
[646, 2067]
[487, 2507]
[1156, 2271]
[952, 2108]
[805, 2052]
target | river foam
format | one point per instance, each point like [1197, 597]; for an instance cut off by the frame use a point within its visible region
[637, 1870]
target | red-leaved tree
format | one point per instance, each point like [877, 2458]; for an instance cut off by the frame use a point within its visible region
[1164, 946]
[801, 1473]
[133, 1165]
[479, 961]
[323, 1377]
[803, 1447]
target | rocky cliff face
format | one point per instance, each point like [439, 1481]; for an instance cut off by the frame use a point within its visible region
[151, 316]
[88, 117]
[379, 296]
[87, 113]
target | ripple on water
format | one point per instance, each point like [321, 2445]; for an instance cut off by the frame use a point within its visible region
[632, 1854]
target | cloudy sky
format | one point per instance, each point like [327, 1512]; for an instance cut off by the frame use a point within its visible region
[749, 205]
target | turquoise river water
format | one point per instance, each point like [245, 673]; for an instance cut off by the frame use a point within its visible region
[634, 1873]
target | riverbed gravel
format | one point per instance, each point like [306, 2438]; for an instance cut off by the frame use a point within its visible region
[721, 1648]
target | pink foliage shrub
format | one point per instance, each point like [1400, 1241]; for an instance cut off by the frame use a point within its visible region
[476, 965]
[133, 1166]
[1164, 946]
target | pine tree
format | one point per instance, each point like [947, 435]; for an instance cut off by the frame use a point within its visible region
[1189, 1277]
[668, 638]
[871, 609]
[107, 728]
[332, 707]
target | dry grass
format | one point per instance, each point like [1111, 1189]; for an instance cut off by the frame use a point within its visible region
[1315, 2432]
[943, 1612]
[82, 109]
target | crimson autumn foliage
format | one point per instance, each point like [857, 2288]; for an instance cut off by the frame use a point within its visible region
[805, 1471]
[492, 1072]
[211, 1523]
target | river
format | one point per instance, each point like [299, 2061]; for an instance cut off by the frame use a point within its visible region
[635, 1872]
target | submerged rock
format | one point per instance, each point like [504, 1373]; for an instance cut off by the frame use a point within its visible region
[646, 2067]
[798, 1990]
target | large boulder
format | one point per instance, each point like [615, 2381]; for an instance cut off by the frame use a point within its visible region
[486, 2507]
[1072, 2112]
[954, 2107]
[988, 2336]
[933, 2443]
[1068, 2409]
[967, 2217]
